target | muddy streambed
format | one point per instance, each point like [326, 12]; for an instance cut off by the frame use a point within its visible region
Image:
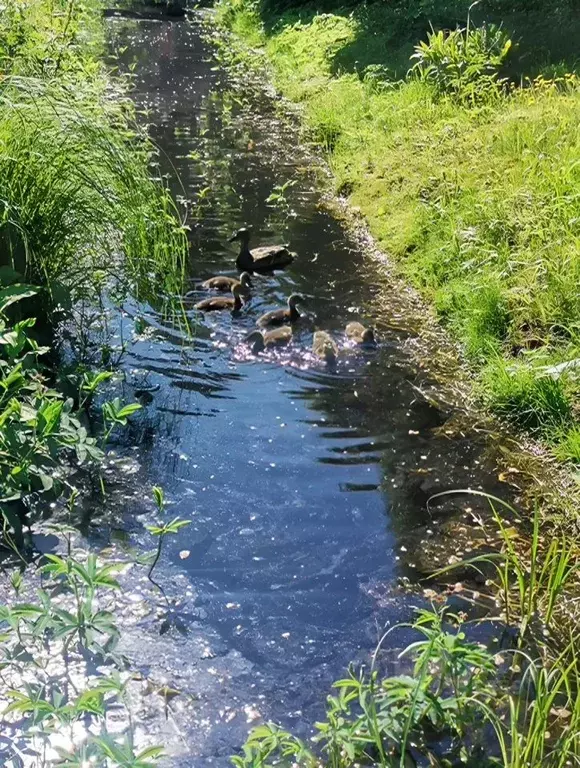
[307, 488]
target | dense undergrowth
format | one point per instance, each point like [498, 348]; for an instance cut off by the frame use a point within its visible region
[82, 216]
[458, 140]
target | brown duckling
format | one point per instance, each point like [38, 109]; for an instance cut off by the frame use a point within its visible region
[324, 346]
[226, 283]
[262, 340]
[282, 316]
[216, 303]
[264, 259]
[358, 333]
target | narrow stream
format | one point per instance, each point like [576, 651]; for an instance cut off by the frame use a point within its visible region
[307, 488]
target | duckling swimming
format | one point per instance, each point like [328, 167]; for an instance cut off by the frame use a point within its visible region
[266, 339]
[358, 333]
[324, 346]
[226, 283]
[264, 259]
[282, 316]
[217, 303]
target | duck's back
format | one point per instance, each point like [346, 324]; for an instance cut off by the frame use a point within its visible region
[215, 304]
[220, 283]
[274, 318]
[271, 255]
[278, 336]
[355, 330]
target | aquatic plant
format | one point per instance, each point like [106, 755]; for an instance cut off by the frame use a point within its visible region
[62, 677]
[162, 530]
[390, 721]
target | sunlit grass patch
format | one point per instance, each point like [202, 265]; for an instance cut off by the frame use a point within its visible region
[538, 403]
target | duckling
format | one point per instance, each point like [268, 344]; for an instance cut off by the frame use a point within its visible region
[263, 259]
[359, 334]
[225, 283]
[264, 339]
[324, 346]
[282, 316]
[216, 303]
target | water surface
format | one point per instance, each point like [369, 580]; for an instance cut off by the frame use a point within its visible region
[306, 487]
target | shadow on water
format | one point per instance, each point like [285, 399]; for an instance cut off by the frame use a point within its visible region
[306, 487]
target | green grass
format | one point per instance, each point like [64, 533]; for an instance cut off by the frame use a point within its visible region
[476, 198]
[79, 207]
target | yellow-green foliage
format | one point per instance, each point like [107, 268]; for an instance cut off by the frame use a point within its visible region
[480, 203]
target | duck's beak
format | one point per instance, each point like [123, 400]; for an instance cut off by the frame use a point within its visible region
[233, 238]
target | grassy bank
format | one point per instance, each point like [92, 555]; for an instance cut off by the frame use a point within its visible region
[81, 215]
[78, 204]
[467, 172]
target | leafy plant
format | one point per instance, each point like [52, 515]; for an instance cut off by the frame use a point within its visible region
[40, 428]
[463, 63]
[386, 721]
[162, 530]
[44, 646]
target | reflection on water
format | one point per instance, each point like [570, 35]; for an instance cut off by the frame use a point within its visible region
[302, 483]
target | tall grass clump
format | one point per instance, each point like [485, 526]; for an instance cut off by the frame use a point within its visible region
[79, 205]
[459, 141]
[76, 197]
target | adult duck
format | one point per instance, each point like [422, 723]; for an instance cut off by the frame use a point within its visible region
[358, 333]
[324, 346]
[216, 303]
[225, 283]
[264, 259]
[262, 340]
[290, 314]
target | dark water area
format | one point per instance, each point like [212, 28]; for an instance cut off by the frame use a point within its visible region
[307, 487]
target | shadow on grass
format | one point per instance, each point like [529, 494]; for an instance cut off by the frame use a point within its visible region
[546, 35]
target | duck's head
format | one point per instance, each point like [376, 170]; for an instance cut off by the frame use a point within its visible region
[242, 235]
[368, 336]
[256, 339]
[295, 299]
[245, 280]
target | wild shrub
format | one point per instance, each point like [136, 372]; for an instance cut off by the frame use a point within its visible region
[43, 434]
[463, 63]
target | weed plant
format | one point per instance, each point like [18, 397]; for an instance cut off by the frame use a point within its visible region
[457, 701]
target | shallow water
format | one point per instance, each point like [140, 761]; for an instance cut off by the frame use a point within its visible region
[307, 487]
